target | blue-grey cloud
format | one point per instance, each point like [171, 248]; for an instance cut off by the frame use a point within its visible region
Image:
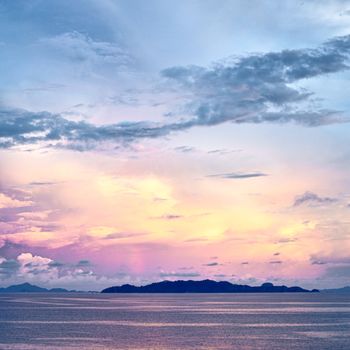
[184, 149]
[56, 264]
[310, 198]
[121, 235]
[81, 48]
[42, 183]
[275, 262]
[252, 89]
[243, 91]
[330, 259]
[21, 127]
[84, 263]
[9, 267]
[238, 175]
[338, 271]
[211, 264]
[179, 274]
[318, 262]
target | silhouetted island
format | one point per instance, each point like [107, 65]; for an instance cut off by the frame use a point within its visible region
[206, 286]
[30, 288]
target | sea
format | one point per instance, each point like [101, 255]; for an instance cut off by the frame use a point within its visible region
[89, 321]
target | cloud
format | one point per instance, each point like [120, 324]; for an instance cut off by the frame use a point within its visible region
[338, 272]
[121, 235]
[310, 198]
[43, 183]
[184, 149]
[179, 274]
[211, 264]
[223, 151]
[259, 88]
[21, 127]
[170, 217]
[10, 202]
[8, 267]
[43, 270]
[81, 48]
[238, 176]
[276, 262]
[330, 259]
[287, 240]
[56, 264]
[254, 89]
[199, 239]
[316, 262]
[84, 263]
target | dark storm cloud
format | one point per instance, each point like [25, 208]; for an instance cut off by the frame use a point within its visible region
[238, 175]
[310, 198]
[252, 89]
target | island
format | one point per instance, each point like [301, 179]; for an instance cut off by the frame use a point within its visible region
[205, 286]
[30, 288]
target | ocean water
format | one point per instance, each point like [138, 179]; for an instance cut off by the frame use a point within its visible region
[181, 322]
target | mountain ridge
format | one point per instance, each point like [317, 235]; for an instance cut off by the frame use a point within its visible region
[204, 286]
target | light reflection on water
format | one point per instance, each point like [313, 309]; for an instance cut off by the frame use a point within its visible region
[172, 322]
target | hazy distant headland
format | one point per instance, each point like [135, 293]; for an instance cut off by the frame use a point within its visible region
[205, 286]
[30, 288]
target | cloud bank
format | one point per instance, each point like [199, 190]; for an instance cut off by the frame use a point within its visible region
[256, 89]
[310, 198]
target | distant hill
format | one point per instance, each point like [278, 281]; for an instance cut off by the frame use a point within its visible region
[29, 288]
[206, 286]
[337, 290]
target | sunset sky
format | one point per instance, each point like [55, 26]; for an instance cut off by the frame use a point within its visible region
[151, 140]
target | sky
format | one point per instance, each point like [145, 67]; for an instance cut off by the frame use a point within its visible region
[151, 140]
